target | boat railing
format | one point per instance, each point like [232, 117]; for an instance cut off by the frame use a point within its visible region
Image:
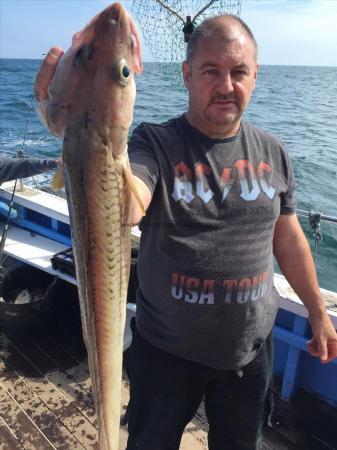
[315, 219]
[303, 213]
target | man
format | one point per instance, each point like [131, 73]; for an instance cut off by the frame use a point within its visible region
[14, 168]
[219, 195]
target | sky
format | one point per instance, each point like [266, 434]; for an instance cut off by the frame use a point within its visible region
[289, 32]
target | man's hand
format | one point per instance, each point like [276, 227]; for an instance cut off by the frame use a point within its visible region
[59, 163]
[46, 73]
[324, 341]
[55, 89]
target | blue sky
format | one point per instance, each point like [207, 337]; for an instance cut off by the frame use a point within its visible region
[294, 32]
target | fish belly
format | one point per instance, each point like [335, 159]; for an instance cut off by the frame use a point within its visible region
[99, 206]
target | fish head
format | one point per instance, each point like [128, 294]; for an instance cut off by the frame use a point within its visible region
[94, 79]
[107, 58]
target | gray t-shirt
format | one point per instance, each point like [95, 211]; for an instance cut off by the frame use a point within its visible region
[205, 263]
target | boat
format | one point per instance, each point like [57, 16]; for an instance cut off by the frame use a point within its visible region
[45, 396]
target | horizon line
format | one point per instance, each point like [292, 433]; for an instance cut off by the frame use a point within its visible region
[163, 62]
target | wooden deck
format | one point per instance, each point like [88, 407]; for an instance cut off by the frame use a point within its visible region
[46, 401]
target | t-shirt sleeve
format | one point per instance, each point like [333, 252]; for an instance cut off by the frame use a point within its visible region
[142, 158]
[288, 199]
[14, 168]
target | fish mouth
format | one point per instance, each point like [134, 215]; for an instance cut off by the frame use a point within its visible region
[116, 13]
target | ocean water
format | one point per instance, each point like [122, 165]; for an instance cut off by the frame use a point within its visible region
[296, 103]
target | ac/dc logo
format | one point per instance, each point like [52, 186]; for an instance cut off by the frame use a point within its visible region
[252, 181]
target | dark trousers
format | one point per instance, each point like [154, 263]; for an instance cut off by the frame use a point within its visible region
[166, 391]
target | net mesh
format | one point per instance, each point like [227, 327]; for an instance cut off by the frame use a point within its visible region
[166, 24]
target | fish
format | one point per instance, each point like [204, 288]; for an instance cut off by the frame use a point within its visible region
[86, 97]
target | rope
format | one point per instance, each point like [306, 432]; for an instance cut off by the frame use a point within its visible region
[315, 222]
[170, 10]
[203, 10]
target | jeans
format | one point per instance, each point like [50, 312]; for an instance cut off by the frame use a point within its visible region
[166, 391]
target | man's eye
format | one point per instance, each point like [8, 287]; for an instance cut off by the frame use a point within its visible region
[210, 72]
[241, 72]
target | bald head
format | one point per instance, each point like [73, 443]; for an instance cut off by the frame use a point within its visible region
[226, 28]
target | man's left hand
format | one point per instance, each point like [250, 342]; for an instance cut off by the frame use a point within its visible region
[59, 163]
[324, 341]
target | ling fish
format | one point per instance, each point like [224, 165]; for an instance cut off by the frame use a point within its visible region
[86, 96]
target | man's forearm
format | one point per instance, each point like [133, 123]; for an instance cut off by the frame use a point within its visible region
[293, 255]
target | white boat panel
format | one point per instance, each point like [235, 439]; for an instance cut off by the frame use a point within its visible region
[39, 201]
[291, 302]
[34, 250]
[43, 203]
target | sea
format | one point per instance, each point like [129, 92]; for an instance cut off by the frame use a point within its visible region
[296, 103]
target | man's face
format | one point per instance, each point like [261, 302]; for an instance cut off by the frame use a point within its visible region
[220, 80]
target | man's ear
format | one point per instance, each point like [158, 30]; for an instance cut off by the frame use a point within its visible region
[186, 73]
[255, 75]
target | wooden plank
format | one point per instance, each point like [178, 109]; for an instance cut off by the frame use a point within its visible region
[22, 396]
[8, 440]
[71, 377]
[71, 342]
[195, 435]
[28, 363]
[44, 420]
[20, 424]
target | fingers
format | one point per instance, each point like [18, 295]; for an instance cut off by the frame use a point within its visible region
[59, 163]
[136, 45]
[46, 73]
[313, 348]
[326, 351]
[332, 350]
[318, 347]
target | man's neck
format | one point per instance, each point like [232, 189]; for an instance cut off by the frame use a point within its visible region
[220, 132]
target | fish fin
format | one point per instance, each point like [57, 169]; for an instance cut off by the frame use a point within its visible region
[58, 180]
[129, 180]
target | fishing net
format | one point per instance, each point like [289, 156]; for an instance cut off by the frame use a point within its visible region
[167, 24]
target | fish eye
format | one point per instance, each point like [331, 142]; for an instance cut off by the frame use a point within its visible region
[125, 71]
[122, 72]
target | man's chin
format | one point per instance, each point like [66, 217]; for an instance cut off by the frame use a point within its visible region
[224, 120]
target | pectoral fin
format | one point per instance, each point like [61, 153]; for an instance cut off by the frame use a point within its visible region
[58, 180]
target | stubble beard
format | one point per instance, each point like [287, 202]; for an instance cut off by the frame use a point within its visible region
[226, 120]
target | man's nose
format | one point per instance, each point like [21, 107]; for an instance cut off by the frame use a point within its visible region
[225, 84]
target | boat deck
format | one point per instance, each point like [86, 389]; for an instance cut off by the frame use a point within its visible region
[46, 401]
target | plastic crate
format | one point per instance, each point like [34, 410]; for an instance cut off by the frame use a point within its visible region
[64, 262]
